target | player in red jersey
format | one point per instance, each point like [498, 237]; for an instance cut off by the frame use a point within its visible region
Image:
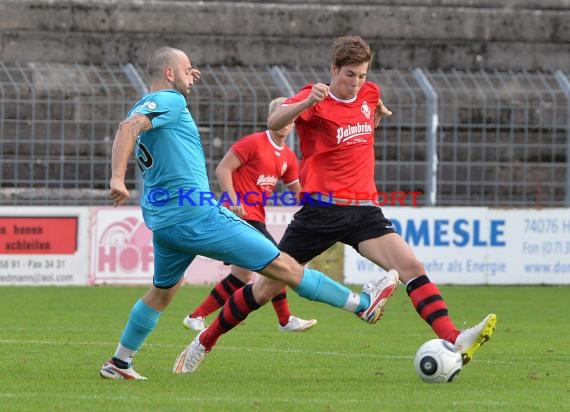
[335, 123]
[248, 174]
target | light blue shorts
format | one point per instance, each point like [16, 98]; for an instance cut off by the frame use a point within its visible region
[219, 234]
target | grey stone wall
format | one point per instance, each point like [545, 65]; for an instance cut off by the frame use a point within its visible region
[504, 35]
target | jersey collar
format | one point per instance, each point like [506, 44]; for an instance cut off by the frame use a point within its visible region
[272, 142]
[338, 99]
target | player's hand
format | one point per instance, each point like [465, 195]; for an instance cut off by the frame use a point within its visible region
[195, 73]
[319, 92]
[118, 191]
[238, 210]
[381, 110]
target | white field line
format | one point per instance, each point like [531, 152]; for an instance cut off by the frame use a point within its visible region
[236, 348]
[221, 348]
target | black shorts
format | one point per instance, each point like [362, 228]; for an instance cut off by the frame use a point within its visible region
[315, 228]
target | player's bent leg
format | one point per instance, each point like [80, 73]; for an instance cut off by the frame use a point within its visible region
[473, 338]
[234, 311]
[316, 286]
[430, 305]
[391, 251]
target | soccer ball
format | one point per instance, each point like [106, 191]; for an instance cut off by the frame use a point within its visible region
[438, 361]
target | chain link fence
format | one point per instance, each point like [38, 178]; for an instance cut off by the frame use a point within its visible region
[461, 138]
[56, 127]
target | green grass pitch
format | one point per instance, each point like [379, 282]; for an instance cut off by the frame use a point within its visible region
[53, 340]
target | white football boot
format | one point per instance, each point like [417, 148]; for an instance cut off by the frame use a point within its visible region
[191, 357]
[296, 324]
[111, 371]
[473, 338]
[194, 323]
[379, 292]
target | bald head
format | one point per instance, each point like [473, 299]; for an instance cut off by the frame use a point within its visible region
[170, 68]
[163, 58]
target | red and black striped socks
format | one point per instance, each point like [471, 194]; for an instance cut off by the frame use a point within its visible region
[281, 306]
[235, 310]
[218, 296]
[429, 304]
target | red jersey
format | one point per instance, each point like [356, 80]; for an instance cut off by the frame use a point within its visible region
[337, 143]
[263, 164]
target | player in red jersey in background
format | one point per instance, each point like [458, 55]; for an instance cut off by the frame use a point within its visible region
[335, 123]
[248, 174]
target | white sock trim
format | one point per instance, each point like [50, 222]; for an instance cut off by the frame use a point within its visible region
[352, 302]
[124, 354]
[411, 280]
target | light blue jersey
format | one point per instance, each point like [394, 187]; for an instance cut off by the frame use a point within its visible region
[172, 161]
[177, 203]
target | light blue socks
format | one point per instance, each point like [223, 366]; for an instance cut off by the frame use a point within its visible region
[142, 321]
[318, 287]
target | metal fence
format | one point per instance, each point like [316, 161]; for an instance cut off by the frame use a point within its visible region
[56, 128]
[461, 138]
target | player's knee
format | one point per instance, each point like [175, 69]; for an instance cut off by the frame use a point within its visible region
[160, 298]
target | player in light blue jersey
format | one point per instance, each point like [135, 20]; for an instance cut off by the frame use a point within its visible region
[184, 224]
[171, 159]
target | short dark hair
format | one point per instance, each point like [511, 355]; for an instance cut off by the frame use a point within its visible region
[349, 50]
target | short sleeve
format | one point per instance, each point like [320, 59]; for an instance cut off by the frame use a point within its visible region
[245, 149]
[299, 97]
[162, 107]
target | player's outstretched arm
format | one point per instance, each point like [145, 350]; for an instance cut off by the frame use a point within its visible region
[286, 114]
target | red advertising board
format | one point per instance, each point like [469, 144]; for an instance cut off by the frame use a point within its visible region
[46, 235]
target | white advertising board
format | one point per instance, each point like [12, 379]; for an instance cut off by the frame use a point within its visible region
[479, 245]
[44, 246]
[81, 245]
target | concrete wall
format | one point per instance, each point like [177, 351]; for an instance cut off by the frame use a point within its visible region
[503, 35]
